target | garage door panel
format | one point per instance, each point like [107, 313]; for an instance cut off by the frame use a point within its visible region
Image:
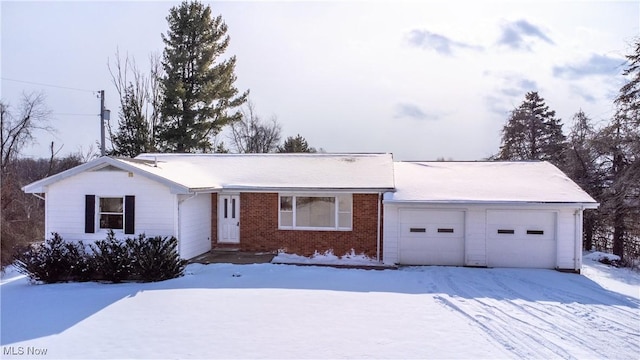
[430, 230]
[432, 216]
[431, 237]
[432, 251]
[521, 239]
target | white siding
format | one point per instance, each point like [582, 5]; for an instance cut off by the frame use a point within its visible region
[195, 225]
[567, 258]
[564, 231]
[475, 241]
[65, 203]
[390, 234]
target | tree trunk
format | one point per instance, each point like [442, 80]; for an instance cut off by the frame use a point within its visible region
[618, 232]
[589, 224]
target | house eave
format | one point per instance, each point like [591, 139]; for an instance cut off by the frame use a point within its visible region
[41, 186]
[583, 205]
[298, 189]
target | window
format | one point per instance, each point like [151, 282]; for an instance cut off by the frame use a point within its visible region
[445, 230]
[535, 232]
[111, 213]
[417, 230]
[316, 212]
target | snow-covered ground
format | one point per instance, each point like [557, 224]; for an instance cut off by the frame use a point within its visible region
[288, 311]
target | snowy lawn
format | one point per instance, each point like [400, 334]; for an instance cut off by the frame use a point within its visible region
[287, 311]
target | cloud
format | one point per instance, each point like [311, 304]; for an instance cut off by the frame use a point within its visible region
[580, 92]
[511, 84]
[509, 91]
[595, 65]
[440, 43]
[515, 86]
[517, 35]
[406, 110]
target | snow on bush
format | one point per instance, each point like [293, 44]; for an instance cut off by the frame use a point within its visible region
[605, 258]
[326, 258]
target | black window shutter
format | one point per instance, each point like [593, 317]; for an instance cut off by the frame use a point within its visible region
[129, 214]
[89, 214]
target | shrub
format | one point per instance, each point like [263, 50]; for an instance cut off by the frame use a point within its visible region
[133, 259]
[156, 258]
[112, 259]
[54, 261]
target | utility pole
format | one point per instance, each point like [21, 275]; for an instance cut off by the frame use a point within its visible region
[102, 147]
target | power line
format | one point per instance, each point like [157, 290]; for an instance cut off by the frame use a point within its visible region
[75, 114]
[49, 85]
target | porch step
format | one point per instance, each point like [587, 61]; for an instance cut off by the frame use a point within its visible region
[226, 247]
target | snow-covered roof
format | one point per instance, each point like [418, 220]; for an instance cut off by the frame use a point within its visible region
[486, 182]
[212, 172]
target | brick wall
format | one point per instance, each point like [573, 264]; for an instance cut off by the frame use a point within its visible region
[259, 228]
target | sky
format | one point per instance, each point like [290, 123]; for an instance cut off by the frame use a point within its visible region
[422, 80]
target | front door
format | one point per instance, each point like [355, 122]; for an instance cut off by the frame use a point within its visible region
[229, 219]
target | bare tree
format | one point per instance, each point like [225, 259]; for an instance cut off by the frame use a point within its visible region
[19, 213]
[140, 100]
[17, 129]
[251, 134]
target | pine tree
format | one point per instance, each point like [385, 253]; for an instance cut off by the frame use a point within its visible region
[199, 92]
[532, 133]
[296, 144]
[580, 164]
[619, 145]
[132, 137]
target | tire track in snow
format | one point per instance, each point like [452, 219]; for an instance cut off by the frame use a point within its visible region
[547, 313]
[567, 296]
[579, 306]
[500, 325]
[494, 334]
[507, 319]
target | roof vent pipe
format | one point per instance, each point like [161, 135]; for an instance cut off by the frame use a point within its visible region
[155, 161]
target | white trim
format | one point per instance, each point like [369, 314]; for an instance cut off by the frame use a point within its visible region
[378, 238]
[221, 218]
[40, 186]
[101, 230]
[533, 205]
[337, 211]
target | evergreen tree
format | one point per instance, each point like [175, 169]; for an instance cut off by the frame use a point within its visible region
[199, 91]
[296, 144]
[532, 133]
[132, 137]
[580, 164]
[619, 145]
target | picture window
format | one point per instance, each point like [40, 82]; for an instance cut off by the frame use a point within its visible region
[316, 212]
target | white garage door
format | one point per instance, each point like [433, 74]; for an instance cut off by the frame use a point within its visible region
[431, 237]
[521, 239]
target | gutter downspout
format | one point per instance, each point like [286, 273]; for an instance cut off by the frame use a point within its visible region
[378, 229]
[577, 257]
[39, 196]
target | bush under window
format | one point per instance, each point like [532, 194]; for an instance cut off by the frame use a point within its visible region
[113, 260]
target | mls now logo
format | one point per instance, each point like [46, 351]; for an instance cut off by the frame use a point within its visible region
[23, 350]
